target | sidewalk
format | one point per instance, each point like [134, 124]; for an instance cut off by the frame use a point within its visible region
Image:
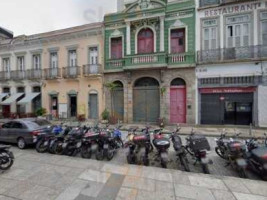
[50, 177]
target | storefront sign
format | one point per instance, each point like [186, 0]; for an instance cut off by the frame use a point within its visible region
[227, 90]
[233, 9]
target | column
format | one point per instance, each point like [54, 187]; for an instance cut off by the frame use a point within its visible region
[161, 33]
[128, 37]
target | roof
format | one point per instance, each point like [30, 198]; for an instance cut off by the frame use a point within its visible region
[6, 32]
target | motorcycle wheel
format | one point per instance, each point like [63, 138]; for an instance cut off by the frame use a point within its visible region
[184, 163]
[86, 152]
[146, 161]
[219, 153]
[99, 155]
[70, 152]
[151, 148]
[163, 164]
[205, 168]
[110, 154]
[40, 148]
[58, 148]
[120, 142]
[242, 173]
[131, 159]
[5, 161]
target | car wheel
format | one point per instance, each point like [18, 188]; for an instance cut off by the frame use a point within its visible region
[21, 143]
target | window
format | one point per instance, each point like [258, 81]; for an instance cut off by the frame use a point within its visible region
[178, 40]
[36, 89]
[20, 89]
[263, 28]
[6, 64]
[238, 31]
[72, 58]
[116, 48]
[53, 60]
[145, 41]
[210, 34]
[93, 55]
[37, 61]
[17, 125]
[21, 64]
[6, 90]
[7, 125]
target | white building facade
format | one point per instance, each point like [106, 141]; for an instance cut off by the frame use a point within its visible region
[231, 41]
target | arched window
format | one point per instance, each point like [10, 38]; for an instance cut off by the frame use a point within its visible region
[178, 82]
[145, 41]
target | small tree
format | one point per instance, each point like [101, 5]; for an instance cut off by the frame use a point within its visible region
[41, 112]
[111, 87]
[105, 114]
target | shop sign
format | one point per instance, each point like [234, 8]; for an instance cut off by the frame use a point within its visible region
[233, 9]
[227, 90]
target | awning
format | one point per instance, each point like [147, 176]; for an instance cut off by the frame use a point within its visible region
[28, 98]
[2, 95]
[12, 99]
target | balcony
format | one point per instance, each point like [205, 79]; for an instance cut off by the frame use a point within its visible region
[5, 76]
[71, 72]
[33, 74]
[144, 61]
[18, 75]
[92, 69]
[51, 73]
[232, 54]
[115, 64]
[181, 58]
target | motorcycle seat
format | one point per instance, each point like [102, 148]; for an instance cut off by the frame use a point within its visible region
[260, 153]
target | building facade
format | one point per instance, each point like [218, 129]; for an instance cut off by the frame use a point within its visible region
[60, 71]
[231, 62]
[150, 56]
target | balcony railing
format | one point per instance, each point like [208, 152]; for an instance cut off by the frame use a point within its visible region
[18, 75]
[232, 54]
[71, 72]
[115, 64]
[4, 76]
[181, 58]
[51, 73]
[204, 3]
[148, 59]
[34, 74]
[92, 69]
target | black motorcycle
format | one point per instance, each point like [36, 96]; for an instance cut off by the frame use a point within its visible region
[135, 143]
[43, 142]
[180, 149]
[55, 146]
[221, 148]
[256, 157]
[6, 158]
[197, 146]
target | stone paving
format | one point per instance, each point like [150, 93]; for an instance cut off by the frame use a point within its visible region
[51, 177]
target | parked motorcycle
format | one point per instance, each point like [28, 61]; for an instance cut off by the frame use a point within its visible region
[180, 149]
[256, 157]
[55, 146]
[162, 144]
[197, 146]
[135, 143]
[221, 148]
[6, 158]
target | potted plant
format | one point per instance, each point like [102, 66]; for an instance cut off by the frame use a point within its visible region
[40, 112]
[111, 87]
[105, 116]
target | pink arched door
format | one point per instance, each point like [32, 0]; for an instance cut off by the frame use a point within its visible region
[145, 41]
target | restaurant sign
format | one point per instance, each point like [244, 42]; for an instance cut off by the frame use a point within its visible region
[227, 90]
[234, 9]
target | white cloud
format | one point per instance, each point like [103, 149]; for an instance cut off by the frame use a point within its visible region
[36, 16]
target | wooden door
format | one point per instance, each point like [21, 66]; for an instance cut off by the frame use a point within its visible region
[116, 48]
[93, 106]
[145, 41]
[178, 40]
[178, 104]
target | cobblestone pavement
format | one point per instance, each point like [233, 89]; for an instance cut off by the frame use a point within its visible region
[47, 177]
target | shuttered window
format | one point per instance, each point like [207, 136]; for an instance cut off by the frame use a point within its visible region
[263, 17]
[116, 48]
[210, 34]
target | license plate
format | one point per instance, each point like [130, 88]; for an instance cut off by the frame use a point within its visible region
[64, 145]
[79, 144]
[46, 143]
[105, 146]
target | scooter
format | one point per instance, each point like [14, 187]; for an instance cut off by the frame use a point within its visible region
[180, 149]
[6, 158]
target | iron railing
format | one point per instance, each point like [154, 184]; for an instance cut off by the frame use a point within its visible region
[18, 75]
[71, 72]
[232, 54]
[92, 69]
[4, 76]
[51, 73]
[34, 74]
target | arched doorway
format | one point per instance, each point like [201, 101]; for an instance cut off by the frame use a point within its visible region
[146, 100]
[145, 41]
[178, 101]
[118, 98]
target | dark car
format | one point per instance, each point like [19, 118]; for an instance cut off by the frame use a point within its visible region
[23, 131]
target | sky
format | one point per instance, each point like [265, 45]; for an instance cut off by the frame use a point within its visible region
[37, 16]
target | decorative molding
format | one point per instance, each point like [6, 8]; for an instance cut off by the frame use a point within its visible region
[72, 47]
[6, 55]
[116, 33]
[37, 51]
[20, 53]
[53, 49]
[177, 24]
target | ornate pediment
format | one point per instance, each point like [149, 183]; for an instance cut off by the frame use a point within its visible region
[144, 5]
[178, 23]
[116, 33]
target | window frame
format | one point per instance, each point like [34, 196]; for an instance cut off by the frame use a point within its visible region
[51, 61]
[210, 28]
[71, 59]
[21, 63]
[261, 20]
[122, 47]
[36, 63]
[89, 55]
